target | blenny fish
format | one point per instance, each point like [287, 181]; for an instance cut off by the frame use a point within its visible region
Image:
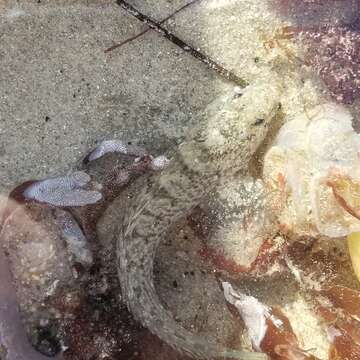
[235, 128]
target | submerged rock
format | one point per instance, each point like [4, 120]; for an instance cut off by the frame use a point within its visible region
[233, 223]
[333, 53]
[328, 33]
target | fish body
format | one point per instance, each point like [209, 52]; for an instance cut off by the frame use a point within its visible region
[222, 148]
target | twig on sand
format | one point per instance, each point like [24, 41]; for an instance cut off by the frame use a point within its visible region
[227, 74]
[111, 48]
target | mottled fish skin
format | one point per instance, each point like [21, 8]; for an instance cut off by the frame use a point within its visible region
[195, 170]
[113, 185]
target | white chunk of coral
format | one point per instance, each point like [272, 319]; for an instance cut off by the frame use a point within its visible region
[252, 311]
[159, 163]
[307, 326]
[307, 152]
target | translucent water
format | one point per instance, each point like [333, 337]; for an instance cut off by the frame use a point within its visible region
[245, 245]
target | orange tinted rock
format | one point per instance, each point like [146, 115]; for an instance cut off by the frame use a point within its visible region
[280, 341]
[343, 346]
[344, 298]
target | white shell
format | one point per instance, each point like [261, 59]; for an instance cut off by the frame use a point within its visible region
[307, 150]
[118, 146]
[160, 163]
[63, 191]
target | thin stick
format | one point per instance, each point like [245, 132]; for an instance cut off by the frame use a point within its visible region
[185, 47]
[148, 28]
[111, 48]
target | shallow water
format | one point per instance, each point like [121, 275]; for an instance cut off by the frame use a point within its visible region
[264, 230]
